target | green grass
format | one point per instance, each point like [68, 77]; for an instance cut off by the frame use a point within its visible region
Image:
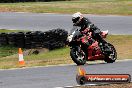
[122, 44]
[122, 7]
[8, 31]
[55, 57]
[59, 56]
[7, 51]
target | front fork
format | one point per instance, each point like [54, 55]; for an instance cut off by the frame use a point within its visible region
[79, 49]
[84, 49]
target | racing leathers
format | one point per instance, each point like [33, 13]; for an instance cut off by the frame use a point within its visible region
[86, 24]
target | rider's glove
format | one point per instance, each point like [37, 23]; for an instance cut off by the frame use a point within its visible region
[90, 26]
[94, 28]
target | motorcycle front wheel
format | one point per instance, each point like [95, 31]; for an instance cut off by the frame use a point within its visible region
[78, 57]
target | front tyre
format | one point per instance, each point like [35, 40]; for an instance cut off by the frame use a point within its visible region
[78, 57]
[112, 56]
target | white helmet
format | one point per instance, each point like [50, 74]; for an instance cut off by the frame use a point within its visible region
[76, 17]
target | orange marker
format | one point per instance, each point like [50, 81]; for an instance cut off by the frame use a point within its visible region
[21, 60]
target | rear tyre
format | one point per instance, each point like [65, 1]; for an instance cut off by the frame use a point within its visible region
[78, 58]
[112, 56]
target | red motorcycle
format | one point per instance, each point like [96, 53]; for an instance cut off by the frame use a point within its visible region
[80, 53]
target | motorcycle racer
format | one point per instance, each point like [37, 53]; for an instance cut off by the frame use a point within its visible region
[86, 25]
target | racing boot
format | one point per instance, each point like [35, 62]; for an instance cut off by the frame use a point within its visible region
[104, 45]
[105, 48]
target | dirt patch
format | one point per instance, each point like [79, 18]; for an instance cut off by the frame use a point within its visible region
[35, 51]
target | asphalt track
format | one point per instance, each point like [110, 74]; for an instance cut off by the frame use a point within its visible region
[43, 22]
[60, 76]
[57, 76]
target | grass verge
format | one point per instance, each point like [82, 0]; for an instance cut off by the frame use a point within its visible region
[12, 30]
[7, 51]
[122, 44]
[122, 7]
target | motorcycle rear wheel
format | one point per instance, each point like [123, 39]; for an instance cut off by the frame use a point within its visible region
[111, 57]
[78, 58]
